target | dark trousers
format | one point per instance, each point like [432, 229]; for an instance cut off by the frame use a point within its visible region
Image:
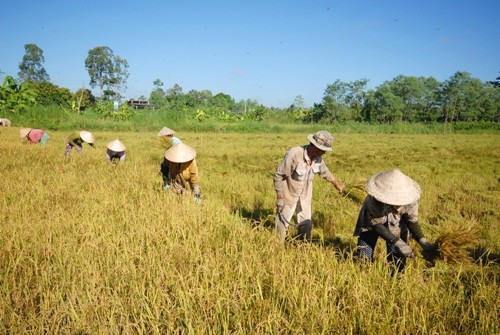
[366, 248]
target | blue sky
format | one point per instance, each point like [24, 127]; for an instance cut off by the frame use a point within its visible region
[269, 51]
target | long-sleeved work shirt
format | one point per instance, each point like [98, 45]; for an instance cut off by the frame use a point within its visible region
[75, 139]
[374, 212]
[293, 178]
[181, 176]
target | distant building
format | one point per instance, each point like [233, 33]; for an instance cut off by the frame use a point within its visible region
[140, 104]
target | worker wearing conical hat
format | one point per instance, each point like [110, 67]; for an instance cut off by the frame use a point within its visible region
[115, 151]
[5, 122]
[34, 135]
[390, 211]
[76, 139]
[180, 171]
[168, 134]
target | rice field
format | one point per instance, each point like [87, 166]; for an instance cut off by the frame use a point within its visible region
[91, 248]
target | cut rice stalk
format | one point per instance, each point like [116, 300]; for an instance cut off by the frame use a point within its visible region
[453, 245]
[357, 191]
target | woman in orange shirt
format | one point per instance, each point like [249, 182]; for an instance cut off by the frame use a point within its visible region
[180, 171]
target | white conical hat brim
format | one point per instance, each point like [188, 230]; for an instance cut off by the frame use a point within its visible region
[23, 132]
[165, 132]
[393, 187]
[180, 153]
[5, 122]
[116, 146]
[87, 136]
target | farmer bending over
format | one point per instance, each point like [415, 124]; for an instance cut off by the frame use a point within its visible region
[115, 151]
[76, 139]
[34, 135]
[168, 134]
[389, 211]
[180, 171]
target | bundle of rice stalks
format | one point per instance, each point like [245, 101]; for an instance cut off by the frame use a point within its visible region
[164, 142]
[454, 245]
[356, 191]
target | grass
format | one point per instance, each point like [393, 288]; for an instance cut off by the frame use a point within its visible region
[90, 248]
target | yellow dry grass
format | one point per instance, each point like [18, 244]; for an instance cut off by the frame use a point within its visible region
[91, 248]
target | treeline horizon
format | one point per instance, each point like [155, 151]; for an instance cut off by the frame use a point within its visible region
[460, 98]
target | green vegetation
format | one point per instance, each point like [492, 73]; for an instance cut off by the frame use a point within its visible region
[102, 116]
[15, 97]
[88, 248]
[407, 99]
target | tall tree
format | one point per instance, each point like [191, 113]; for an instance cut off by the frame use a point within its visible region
[298, 103]
[175, 96]
[419, 96]
[106, 70]
[461, 97]
[383, 106]
[345, 99]
[31, 67]
[157, 95]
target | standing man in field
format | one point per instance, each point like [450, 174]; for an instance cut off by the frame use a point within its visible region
[293, 182]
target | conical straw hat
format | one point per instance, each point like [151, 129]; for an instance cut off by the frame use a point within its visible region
[5, 122]
[180, 153]
[87, 136]
[23, 132]
[116, 146]
[393, 187]
[165, 132]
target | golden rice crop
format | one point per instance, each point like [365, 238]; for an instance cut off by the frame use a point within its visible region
[91, 248]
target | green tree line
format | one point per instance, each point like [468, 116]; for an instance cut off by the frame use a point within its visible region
[460, 98]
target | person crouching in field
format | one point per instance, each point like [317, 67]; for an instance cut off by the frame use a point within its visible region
[293, 183]
[76, 139]
[34, 135]
[180, 171]
[115, 151]
[390, 211]
[167, 138]
[5, 122]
